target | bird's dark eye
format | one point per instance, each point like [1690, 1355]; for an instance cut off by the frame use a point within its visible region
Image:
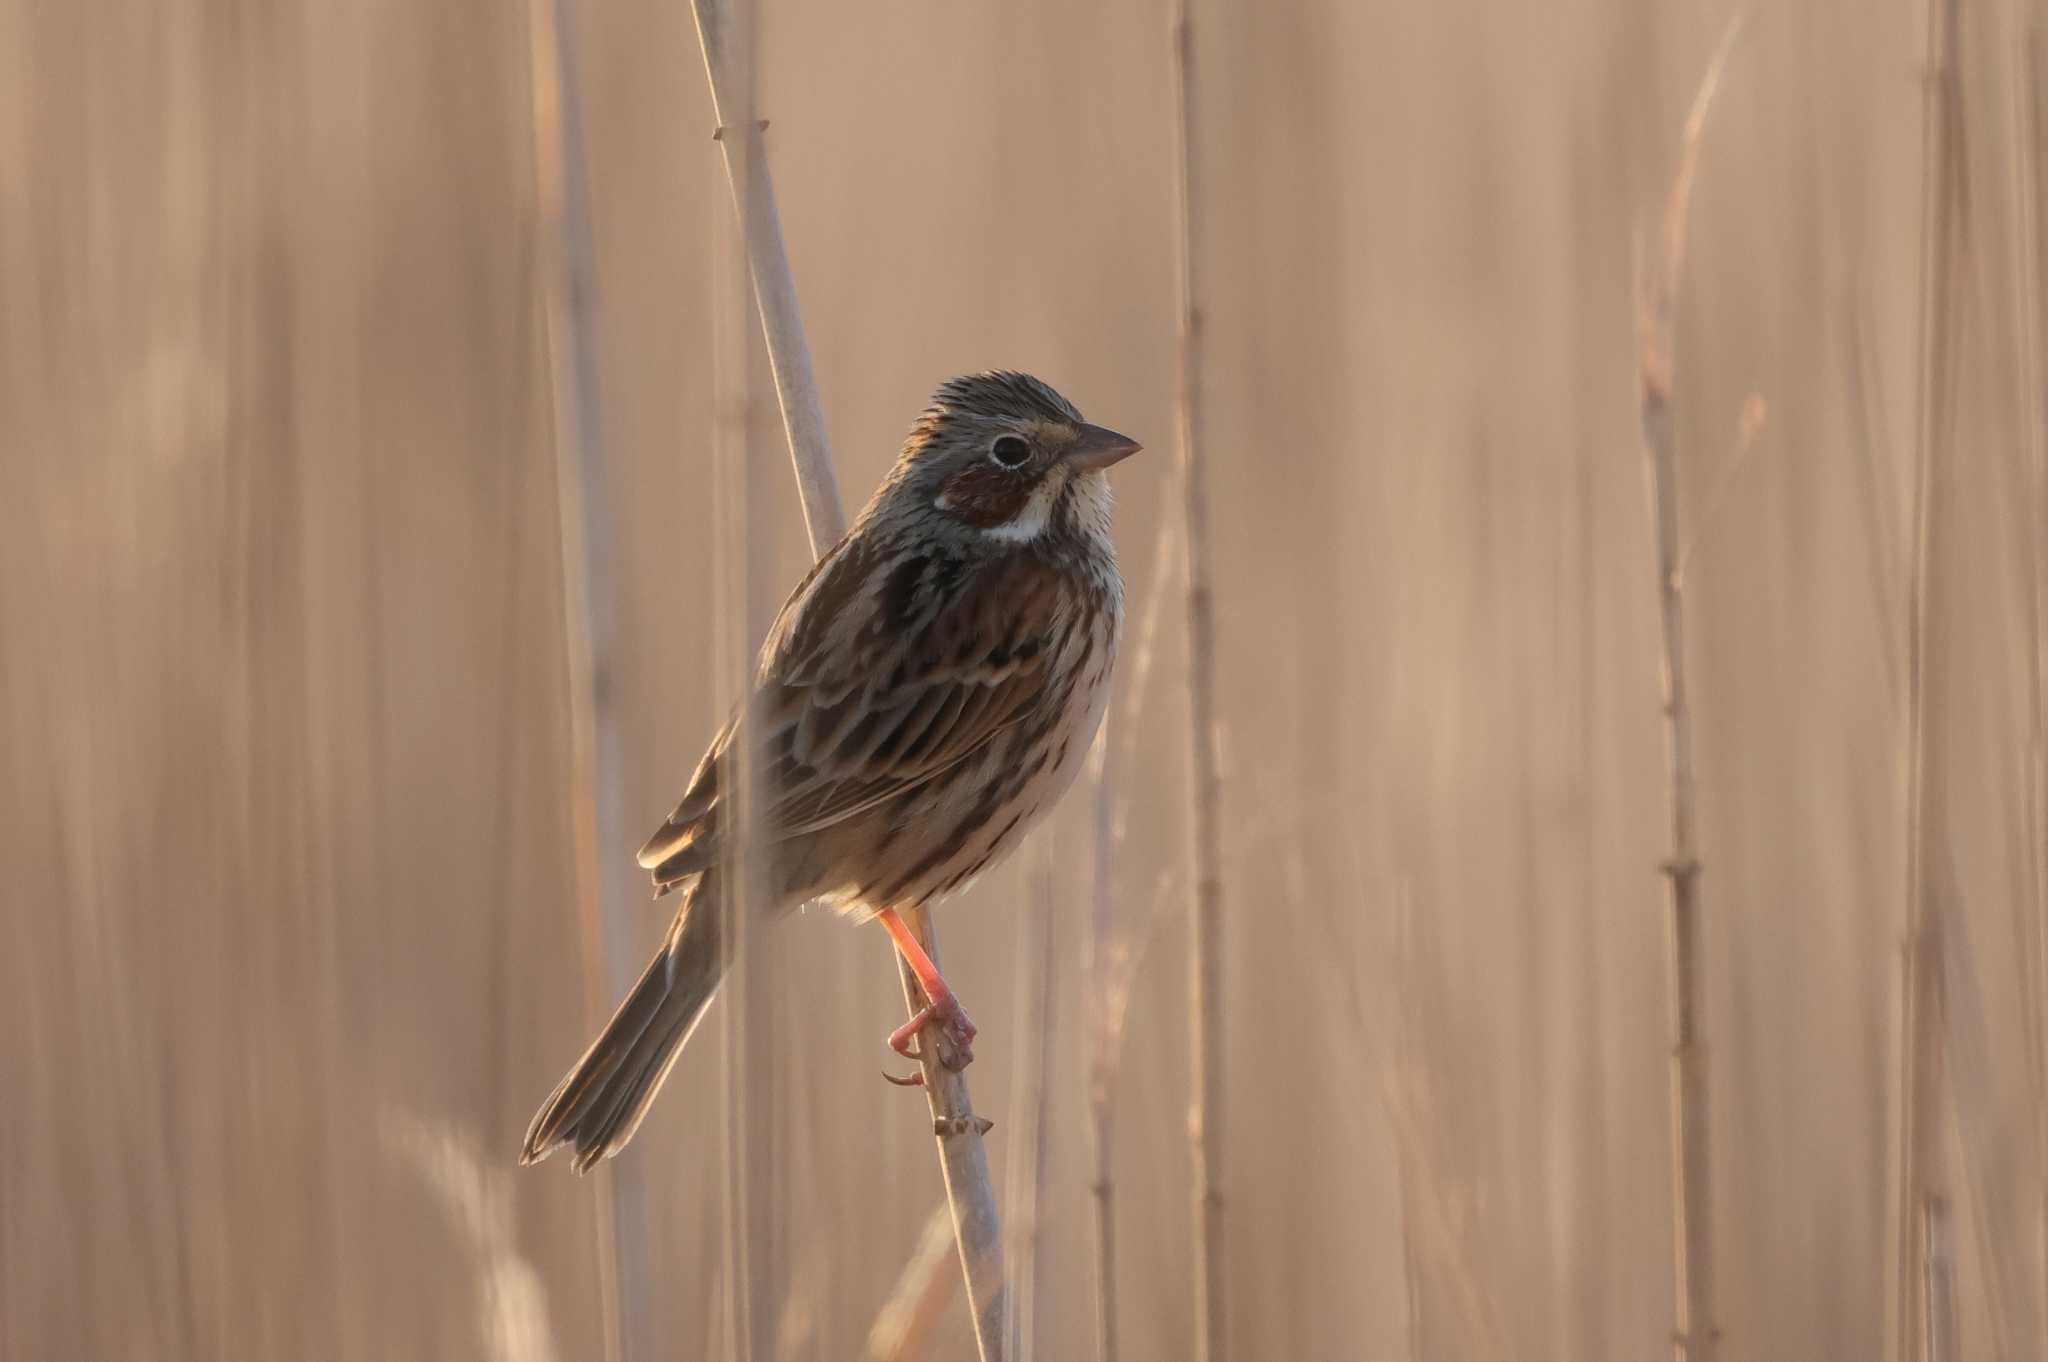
[1009, 450]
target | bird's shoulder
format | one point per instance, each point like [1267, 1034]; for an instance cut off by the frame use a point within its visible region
[881, 614]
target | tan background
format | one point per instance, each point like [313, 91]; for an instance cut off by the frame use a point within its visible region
[288, 950]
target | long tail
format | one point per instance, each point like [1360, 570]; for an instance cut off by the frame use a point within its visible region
[598, 1106]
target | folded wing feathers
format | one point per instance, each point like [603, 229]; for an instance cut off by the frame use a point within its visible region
[838, 740]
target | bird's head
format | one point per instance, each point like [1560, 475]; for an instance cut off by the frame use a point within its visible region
[1003, 454]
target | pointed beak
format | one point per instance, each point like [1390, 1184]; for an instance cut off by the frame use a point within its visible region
[1099, 448]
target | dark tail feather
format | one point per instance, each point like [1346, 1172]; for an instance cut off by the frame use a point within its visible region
[598, 1106]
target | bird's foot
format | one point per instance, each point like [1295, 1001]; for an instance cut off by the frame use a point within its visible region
[945, 1024]
[942, 1021]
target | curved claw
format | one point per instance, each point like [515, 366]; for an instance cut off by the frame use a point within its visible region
[916, 1079]
[900, 1039]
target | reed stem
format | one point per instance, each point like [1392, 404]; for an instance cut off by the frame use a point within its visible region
[596, 800]
[1205, 992]
[2032, 177]
[1103, 1023]
[963, 1159]
[1694, 1335]
[1917, 1324]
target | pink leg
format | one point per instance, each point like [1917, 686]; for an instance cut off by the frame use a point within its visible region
[942, 1006]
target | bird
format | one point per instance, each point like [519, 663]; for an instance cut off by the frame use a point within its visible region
[923, 698]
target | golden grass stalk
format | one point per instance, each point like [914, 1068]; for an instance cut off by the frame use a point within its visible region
[596, 802]
[1916, 1320]
[963, 1159]
[1205, 1001]
[1658, 273]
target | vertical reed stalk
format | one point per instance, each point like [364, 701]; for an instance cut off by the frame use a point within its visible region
[1205, 1000]
[729, 452]
[1412, 1276]
[1658, 273]
[1032, 1085]
[789, 354]
[756, 1263]
[1920, 1173]
[962, 1155]
[1102, 1043]
[596, 802]
[1937, 1274]
[1408, 1071]
[2033, 178]
[1111, 962]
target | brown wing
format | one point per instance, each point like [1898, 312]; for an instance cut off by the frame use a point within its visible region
[874, 679]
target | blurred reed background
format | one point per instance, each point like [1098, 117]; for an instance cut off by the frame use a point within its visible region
[290, 945]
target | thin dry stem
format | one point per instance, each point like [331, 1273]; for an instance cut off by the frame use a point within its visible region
[1111, 960]
[2032, 176]
[1657, 280]
[1102, 1042]
[755, 1111]
[789, 354]
[1937, 1274]
[596, 802]
[1033, 1084]
[963, 1158]
[1412, 1272]
[1205, 1000]
[1694, 1333]
[1920, 1174]
[1972, 1088]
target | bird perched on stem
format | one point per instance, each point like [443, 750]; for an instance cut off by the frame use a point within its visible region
[925, 695]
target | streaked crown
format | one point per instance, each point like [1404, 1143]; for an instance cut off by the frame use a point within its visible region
[998, 395]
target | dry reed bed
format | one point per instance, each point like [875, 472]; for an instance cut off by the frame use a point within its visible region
[280, 582]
